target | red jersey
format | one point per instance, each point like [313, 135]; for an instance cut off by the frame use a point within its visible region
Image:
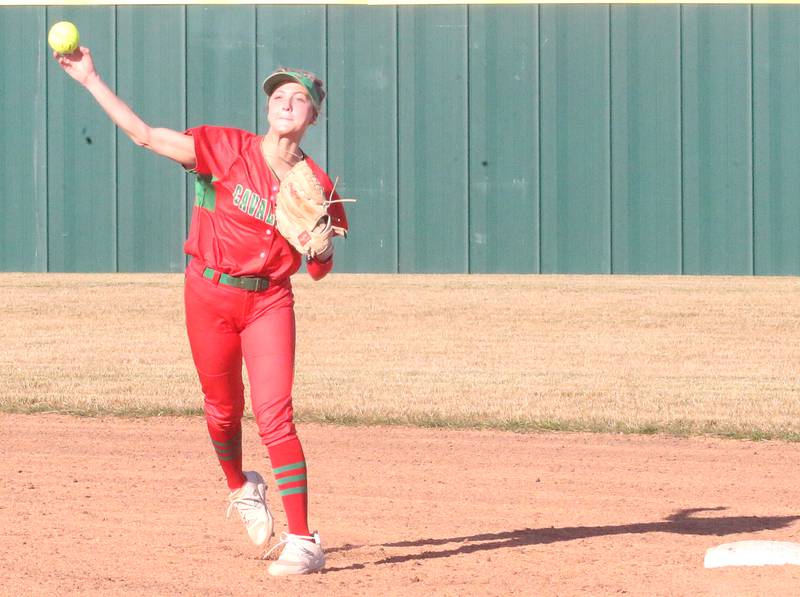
[233, 219]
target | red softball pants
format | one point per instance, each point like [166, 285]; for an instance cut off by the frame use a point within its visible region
[226, 325]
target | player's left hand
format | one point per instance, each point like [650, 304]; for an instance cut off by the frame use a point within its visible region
[301, 213]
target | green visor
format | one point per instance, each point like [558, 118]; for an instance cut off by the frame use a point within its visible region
[276, 78]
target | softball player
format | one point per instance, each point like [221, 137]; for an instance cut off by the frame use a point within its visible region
[238, 295]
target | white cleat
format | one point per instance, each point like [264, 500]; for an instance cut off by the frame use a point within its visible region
[250, 500]
[301, 555]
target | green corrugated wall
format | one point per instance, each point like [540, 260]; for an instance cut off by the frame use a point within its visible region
[517, 138]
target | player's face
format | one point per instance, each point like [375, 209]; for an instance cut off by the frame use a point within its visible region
[289, 110]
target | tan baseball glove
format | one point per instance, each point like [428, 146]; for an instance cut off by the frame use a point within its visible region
[301, 213]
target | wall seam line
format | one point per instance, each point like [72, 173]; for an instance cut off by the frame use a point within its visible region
[115, 37]
[610, 149]
[257, 77]
[46, 152]
[397, 138]
[752, 147]
[327, 78]
[682, 180]
[468, 215]
[184, 71]
[539, 131]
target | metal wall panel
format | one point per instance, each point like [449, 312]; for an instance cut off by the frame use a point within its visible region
[432, 112]
[575, 139]
[23, 143]
[646, 139]
[717, 140]
[504, 139]
[362, 138]
[220, 63]
[150, 74]
[293, 37]
[81, 155]
[558, 138]
[776, 146]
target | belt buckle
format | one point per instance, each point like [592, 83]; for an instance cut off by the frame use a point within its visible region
[253, 283]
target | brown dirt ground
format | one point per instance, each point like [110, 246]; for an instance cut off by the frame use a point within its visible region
[136, 506]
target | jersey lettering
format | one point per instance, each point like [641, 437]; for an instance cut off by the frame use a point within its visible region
[252, 204]
[261, 210]
[251, 209]
[237, 195]
[245, 198]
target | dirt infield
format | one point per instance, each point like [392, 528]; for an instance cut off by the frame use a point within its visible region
[136, 507]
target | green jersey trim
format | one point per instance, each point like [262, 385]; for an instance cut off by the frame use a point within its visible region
[205, 195]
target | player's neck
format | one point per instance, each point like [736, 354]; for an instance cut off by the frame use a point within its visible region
[283, 150]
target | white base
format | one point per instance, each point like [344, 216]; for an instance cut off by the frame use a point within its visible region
[753, 553]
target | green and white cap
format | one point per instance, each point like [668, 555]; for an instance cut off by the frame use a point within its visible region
[310, 81]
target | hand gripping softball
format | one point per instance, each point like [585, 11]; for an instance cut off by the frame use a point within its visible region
[301, 213]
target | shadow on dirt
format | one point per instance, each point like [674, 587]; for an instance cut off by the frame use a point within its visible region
[683, 522]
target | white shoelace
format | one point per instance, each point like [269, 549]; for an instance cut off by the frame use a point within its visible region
[331, 200]
[248, 507]
[289, 539]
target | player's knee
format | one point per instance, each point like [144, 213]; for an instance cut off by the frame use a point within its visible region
[277, 433]
[275, 422]
[223, 416]
[223, 400]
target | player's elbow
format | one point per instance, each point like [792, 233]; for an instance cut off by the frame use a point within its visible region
[317, 275]
[142, 136]
[319, 269]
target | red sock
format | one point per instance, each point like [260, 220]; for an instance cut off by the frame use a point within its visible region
[289, 466]
[227, 442]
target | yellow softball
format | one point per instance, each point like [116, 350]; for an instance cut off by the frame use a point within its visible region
[63, 37]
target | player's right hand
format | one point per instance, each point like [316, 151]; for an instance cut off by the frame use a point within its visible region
[78, 65]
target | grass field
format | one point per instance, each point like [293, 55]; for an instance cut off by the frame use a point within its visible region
[681, 355]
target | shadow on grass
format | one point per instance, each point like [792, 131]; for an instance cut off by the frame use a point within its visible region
[682, 522]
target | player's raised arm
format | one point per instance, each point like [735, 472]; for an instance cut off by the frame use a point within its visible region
[167, 142]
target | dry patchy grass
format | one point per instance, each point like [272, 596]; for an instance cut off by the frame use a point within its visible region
[616, 353]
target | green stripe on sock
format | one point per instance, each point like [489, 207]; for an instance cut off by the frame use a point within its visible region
[227, 458]
[289, 467]
[294, 490]
[284, 480]
[227, 451]
[230, 442]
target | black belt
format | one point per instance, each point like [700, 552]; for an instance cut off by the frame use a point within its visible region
[250, 283]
